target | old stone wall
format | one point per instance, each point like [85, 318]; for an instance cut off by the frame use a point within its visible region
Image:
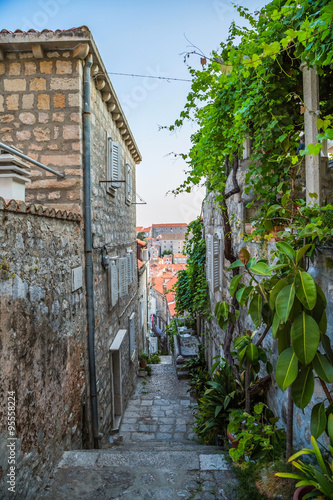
[113, 227]
[322, 271]
[40, 113]
[42, 342]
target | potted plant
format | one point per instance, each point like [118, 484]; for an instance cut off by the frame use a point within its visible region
[315, 481]
[143, 359]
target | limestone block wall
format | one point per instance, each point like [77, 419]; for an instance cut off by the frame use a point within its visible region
[42, 342]
[41, 114]
[113, 226]
[322, 271]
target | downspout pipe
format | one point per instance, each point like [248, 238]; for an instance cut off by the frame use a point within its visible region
[88, 246]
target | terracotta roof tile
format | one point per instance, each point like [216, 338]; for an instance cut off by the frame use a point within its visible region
[35, 209]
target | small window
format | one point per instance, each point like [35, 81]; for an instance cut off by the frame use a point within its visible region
[114, 170]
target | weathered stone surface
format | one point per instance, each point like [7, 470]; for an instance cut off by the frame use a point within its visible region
[42, 345]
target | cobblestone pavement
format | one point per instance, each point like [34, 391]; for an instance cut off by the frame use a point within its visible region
[159, 458]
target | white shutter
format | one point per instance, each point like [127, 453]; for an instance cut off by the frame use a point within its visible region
[216, 263]
[123, 280]
[132, 335]
[113, 283]
[128, 183]
[115, 163]
[209, 258]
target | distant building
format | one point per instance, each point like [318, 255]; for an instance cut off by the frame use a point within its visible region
[167, 259]
[158, 229]
[173, 242]
[179, 258]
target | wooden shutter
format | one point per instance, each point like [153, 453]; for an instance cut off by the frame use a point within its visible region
[128, 183]
[133, 265]
[209, 258]
[123, 279]
[113, 283]
[115, 163]
[216, 263]
[132, 335]
[129, 268]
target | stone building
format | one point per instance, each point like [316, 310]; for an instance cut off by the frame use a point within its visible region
[176, 228]
[58, 107]
[318, 178]
[172, 242]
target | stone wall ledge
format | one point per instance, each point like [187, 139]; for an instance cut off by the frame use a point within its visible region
[35, 209]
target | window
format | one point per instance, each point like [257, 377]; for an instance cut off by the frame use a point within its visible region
[132, 336]
[114, 170]
[113, 282]
[123, 277]
[129, 187]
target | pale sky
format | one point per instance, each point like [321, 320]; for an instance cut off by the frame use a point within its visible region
[144, 37]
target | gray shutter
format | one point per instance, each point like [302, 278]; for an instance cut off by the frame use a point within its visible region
[216, 263]
[123, 281]
[128, 183]
[129, 268]
[209, 258]
[115, 164]
[134, 264]
[132, 335]
[113, 282]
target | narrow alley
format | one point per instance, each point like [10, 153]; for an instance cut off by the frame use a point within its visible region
[157, 457]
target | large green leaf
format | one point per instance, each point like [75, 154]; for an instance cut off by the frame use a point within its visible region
[252, 353]
[260, 268]
[305, 337]
[286, 368]
[275, 325]
[275, 291]
[284, 302]
[255, 309]
[235, 264]
[234, 284]
[323, 323]
[330, 426]
[286, 249]
[325, 340]
[301, 252]
[318, 420]
[243, 294]
[323, 367]
[306, 289]
[302, 388]
[283, 337]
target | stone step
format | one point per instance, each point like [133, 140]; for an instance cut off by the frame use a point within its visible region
[191, 459]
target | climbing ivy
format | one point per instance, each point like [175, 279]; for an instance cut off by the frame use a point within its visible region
[191, 287]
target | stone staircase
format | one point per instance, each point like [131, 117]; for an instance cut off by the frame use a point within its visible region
[155, 456]
[151, 470]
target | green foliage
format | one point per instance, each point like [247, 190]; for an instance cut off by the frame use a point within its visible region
[257, 435]
[191, 287]
[222, 394]
[287, 298]
[319, 476]
[167, 252]
[171, 331]
[198, 372]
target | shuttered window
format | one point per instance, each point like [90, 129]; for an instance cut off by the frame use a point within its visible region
[128, 183]
[129, 268]
[132, 343]
[123, 277]
[114, 156]
[134, 264]
[209, 258]
[113, 283]
[216, 263]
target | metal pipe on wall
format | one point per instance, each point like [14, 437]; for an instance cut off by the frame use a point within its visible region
[88, 246]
